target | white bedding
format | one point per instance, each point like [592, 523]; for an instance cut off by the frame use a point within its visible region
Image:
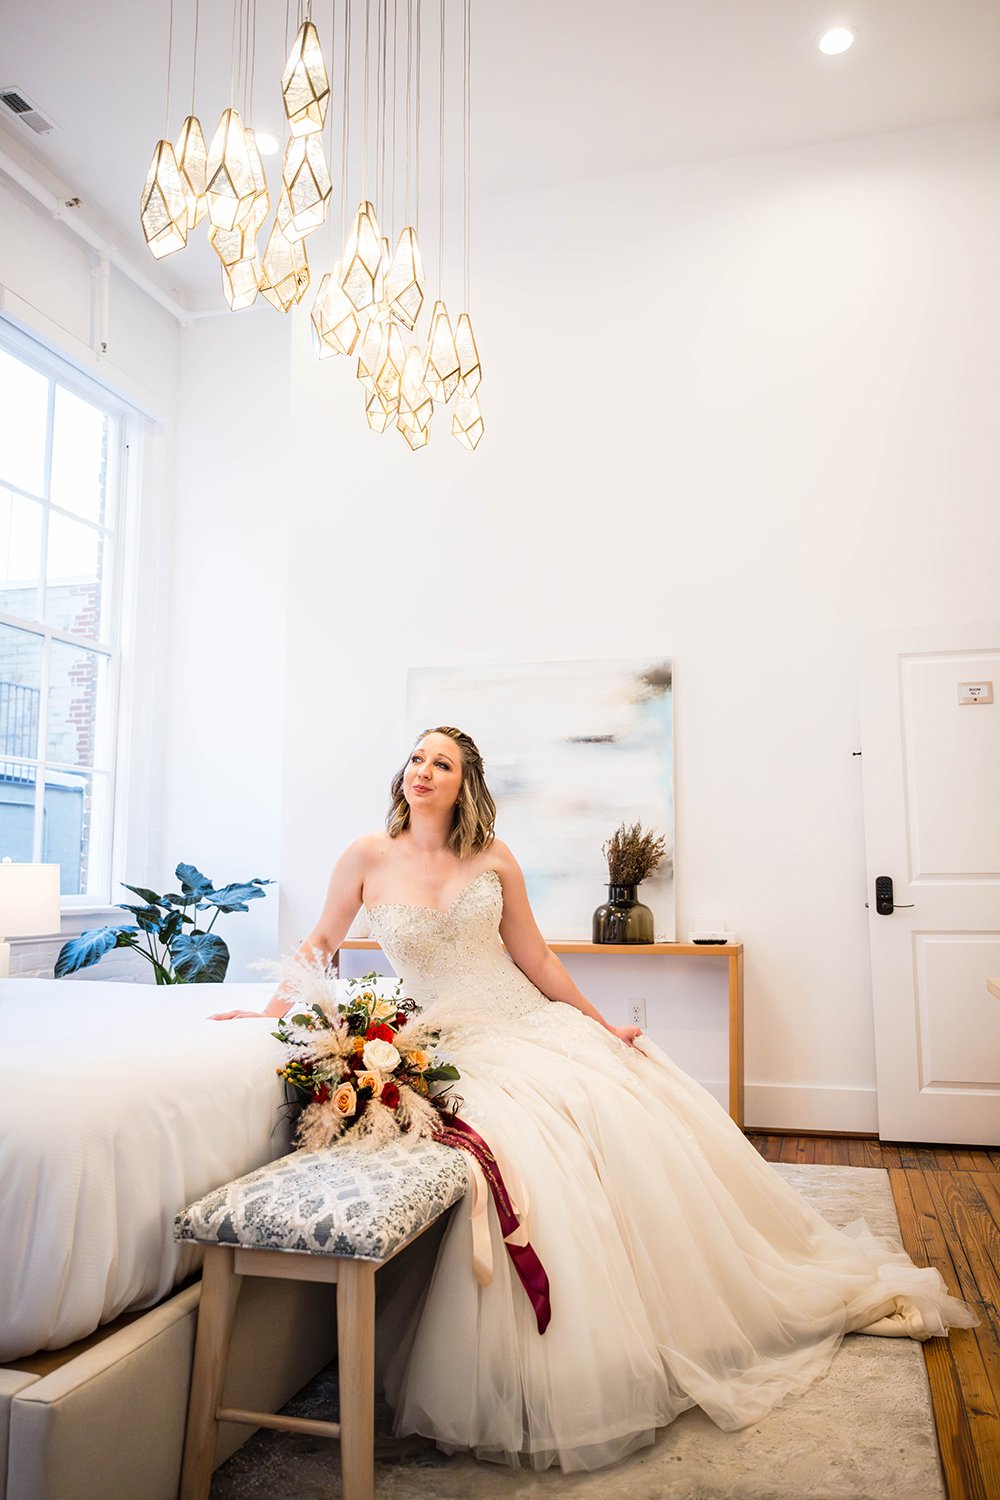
[119, 1104]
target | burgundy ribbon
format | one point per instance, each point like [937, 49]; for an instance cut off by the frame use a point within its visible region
[526, 1263]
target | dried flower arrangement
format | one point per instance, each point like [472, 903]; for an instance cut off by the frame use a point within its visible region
[632, 854]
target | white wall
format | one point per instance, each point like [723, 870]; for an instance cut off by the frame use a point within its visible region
[223, 697]
[738, 413]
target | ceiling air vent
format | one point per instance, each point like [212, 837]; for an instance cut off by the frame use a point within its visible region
[18, 103]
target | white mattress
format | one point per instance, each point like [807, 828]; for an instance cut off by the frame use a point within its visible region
[119, 1104]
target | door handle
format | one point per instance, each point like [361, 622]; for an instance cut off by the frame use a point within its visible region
[885, 904]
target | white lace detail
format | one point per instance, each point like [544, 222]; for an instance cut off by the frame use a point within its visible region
[453, 963]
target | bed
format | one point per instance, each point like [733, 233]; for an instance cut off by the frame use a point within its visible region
[119, 1104]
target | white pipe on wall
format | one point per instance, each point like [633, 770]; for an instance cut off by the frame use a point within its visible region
[67, 213]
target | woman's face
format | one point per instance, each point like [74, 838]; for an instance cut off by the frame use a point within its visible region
[433, 775]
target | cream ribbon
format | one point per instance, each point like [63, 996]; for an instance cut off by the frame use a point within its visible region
[482, 1244]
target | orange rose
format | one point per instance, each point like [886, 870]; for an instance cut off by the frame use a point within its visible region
[345, 1100]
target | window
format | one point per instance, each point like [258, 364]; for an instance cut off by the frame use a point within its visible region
[62, 468]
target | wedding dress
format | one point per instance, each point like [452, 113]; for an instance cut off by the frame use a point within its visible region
[683, 1270]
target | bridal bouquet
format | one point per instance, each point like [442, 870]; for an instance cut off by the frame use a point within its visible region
[365, 1064]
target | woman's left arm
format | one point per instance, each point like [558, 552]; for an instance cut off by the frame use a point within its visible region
[531, 953]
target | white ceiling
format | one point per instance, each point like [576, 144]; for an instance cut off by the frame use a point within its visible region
[563, 90]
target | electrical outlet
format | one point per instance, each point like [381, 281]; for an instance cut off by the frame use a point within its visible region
[637, 1013]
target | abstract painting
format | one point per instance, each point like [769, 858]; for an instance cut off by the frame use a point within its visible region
[572, 749]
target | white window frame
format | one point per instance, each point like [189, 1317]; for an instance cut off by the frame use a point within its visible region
[117, 624]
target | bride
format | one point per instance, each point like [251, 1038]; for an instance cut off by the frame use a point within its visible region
[683, 1270]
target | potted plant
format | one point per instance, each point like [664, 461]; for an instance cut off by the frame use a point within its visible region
[632, 854]
[166, 933]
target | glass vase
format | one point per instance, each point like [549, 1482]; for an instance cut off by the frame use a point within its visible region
[623, 918]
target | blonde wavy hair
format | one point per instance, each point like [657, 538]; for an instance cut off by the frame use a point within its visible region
[475, 810]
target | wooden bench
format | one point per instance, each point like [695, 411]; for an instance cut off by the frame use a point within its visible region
[330, 1216]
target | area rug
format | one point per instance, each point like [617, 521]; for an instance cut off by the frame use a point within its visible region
[864, 1432]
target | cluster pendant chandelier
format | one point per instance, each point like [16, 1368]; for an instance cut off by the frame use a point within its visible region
[368, 305]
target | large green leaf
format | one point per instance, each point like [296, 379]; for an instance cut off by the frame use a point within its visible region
[150, 897]
[199, 957]
[235, 897]
[194, 884]
[149, 918]
[80, 952]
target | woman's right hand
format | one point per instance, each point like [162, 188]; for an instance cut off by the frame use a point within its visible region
[239, 1015]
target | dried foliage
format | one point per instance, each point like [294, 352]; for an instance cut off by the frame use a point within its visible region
[632, 854]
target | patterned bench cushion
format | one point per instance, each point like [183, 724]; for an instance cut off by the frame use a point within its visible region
[345, 1201]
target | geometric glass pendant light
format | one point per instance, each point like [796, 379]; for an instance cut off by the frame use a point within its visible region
[335, 323]
[362, 271]
[284, 276]
[467, 421]
[192, 162]
[163, 210]
[405, 281]
[368, 355]
[441, 370]
[305, 86]
[231, 187]
[241, 268]
[415, 404]
[470, 372]
[261, 205]
[306, 181]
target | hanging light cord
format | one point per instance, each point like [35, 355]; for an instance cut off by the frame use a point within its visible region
[441, 156]
[409, 138]
[170, 58]
[345, 137]
[416, 185]
[466, 134]
[194, 60]
[364, 173]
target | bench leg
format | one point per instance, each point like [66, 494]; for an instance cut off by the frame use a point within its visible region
[356, 1360]
[220, 1288]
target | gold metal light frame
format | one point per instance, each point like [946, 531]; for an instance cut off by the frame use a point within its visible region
[162, 207]
[441, 368]
[305, 87]
[336, 328]
[469, 369]
[362, 273]
[192, 164]
[231, 188]
[306, 181]
[284, 278]
[405, 281]
[467, 421]
[415, 404]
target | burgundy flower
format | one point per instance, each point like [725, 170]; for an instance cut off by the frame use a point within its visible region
[400, 1019]
[322, 1094]
[390, 1095]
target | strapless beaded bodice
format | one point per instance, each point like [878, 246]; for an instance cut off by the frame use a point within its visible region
[453, 959]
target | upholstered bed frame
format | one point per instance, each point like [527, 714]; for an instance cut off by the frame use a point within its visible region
[108, 1423]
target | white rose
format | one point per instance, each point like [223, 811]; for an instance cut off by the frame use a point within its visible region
[380, 1056]
[383, 1009]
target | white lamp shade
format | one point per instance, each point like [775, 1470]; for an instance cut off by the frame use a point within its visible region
[29, 900]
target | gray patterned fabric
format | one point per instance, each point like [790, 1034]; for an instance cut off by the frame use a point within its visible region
[345, 1201]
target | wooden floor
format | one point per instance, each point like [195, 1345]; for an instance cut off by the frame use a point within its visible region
[948, 1202]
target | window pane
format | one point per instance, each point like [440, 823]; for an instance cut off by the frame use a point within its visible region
[24, 400]
[77, 816]
[80, 447]
[78, 732]
[77, 563]
[20, 696]
[20, 554]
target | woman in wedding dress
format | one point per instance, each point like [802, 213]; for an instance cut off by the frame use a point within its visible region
[683, 1270]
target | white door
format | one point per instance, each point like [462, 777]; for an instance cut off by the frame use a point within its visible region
[931, 771]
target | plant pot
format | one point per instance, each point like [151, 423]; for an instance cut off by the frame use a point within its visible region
[623, 918]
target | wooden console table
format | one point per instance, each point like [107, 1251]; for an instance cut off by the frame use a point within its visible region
[732, 952]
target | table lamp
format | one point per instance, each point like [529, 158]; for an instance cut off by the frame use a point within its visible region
[29, 904]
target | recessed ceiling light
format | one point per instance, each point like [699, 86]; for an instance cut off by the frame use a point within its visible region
[267, 144]
[836, 39]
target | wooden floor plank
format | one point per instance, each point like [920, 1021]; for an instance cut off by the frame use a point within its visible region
[873, 1153]
[949, 1395]
[949, 1193]
[856, 1153]
[890, 1155]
